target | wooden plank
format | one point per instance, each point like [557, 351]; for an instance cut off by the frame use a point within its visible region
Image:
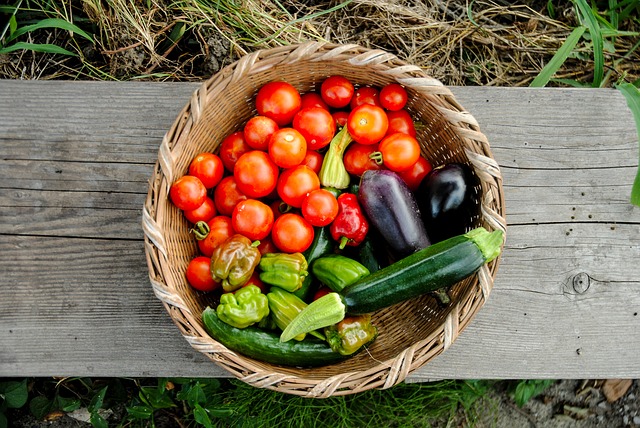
[75, 297]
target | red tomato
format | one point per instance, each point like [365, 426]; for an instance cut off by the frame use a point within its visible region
[393, 97]
[414, 175]
[208, 168]
[357, 158]
[256, 174]
[295, 183]
[199, 276]
[367, 124]
[399, 151]
[337, 91]
[231, 148]
[226, 195]
[291, 233]
[313, 160]
[253, 219]
[316, 125]
[187, 193]
[320, 207]
[279, 101]
[401, 121]
[322, 291]
[312, 99]
[287, 147]
[365, 95]
[258, 130]
[340, 117]
[267, 246]
[220, 228]
[254, 279]
[204, 212]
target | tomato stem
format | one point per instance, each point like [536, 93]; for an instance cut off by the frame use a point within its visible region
[377, 157]
[200, 230]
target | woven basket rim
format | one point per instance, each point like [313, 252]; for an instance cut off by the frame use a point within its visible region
[384, 374]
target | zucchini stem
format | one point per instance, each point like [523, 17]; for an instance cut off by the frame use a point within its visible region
[489, 243]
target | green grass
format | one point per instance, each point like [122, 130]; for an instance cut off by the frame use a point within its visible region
[229, 402]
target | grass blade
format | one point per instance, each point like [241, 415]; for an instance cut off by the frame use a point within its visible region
[589, 19]
[632, 95]
[50, 23]
[558, 59]
[36, 47]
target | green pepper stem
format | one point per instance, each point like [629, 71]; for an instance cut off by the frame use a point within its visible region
[343, 242]
[200, 230]
[377, 157]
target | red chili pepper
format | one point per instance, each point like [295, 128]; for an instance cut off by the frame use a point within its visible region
[350, 225]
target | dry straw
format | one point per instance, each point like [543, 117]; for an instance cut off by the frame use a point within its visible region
[410, 333]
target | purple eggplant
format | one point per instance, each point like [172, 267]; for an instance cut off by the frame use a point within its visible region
[448, 198]
[392, 209]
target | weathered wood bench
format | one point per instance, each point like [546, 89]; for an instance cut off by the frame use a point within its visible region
[75, 299]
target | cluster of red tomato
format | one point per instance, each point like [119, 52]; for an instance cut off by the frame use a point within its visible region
[274, 162]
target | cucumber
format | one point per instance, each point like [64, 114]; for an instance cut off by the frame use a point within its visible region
[262, 345]
[439, 265]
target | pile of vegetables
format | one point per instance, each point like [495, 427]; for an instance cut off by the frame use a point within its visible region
[320, 211]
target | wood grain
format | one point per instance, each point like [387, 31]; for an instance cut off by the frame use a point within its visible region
[75, 298]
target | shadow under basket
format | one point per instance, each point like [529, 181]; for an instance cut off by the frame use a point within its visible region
[410, 333]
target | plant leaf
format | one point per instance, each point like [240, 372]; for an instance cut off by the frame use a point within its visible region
[15, 393]
[97, 421]
[558, 59]
[36, 47]
[200, 416]
[632, 95]
[40, 406]
[97, 400]
[50, 23]
[3, 421]
[591, 22]
[141, 411]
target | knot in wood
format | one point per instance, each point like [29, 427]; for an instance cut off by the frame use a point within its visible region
[581, 282]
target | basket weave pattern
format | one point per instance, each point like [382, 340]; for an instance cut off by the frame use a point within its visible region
[411, 333]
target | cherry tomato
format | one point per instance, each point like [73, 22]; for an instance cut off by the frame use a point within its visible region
[357, 158]
[279, 101]
[312, 99]
[322, 291]
[340, 117]
[220, 228]
[258, 130]
[313, 160]
[291, 233]
[336, 91]
[287, 147]
[204, 212]
[414, 175]
[199, 276]
[253, 219]
[320, 207]
[399, 151]
[256, 174]
[231, 148]
[316, 125]
[226, 195]
[367, 124]
[254, 279]
[208, 168]
[187, 193]
[365, 95]
[401, 121]
[295, 183]
[267, 246]
[393, 97]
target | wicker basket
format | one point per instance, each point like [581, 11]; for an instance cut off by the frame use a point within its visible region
[410, 333]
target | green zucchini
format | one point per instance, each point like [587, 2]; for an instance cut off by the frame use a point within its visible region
[439, 265]
[262, 345]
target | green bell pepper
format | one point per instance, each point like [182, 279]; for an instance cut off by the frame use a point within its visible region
[243, 308]
[284, 270]
[351, 334]
[337, 271]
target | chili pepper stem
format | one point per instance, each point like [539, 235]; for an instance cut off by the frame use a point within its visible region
[343, 242]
